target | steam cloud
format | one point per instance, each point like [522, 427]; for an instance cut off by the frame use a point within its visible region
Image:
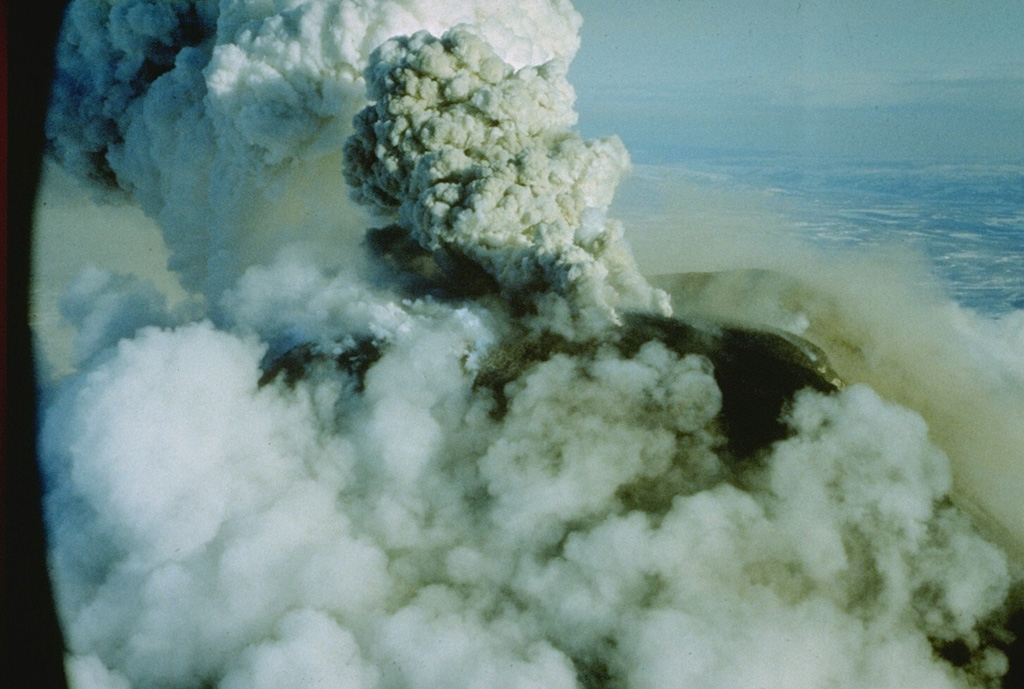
[461, 465]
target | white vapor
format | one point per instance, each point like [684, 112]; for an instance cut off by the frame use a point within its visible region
[469, 463]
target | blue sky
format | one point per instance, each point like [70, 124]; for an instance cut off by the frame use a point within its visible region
[880, 79]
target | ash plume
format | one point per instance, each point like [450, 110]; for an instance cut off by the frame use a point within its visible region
[225, 120]
[477, 161]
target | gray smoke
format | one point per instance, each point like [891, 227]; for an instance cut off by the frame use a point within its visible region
[477, 162]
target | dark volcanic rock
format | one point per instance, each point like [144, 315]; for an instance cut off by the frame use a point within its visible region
[758, 371]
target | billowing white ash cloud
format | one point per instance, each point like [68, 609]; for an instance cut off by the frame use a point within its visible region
[224, 119]
[477, 161]
[408, 484]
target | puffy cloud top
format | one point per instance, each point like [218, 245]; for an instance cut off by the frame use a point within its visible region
[477, 160]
